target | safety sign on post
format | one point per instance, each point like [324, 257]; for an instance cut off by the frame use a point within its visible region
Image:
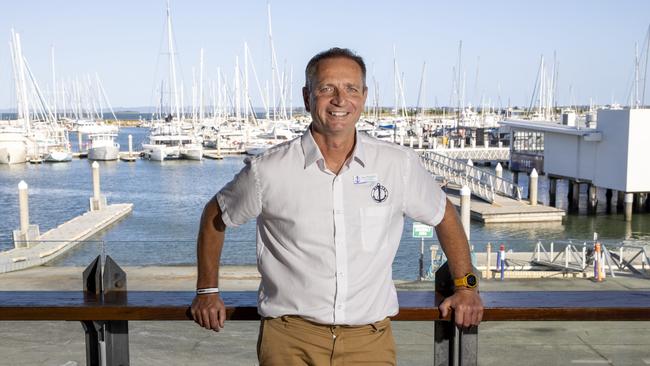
[422, 231]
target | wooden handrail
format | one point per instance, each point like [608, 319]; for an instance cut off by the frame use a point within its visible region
[414, 306]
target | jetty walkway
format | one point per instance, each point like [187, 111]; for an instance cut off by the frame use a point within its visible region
[500, 198]
[507, 210]
[59, 240]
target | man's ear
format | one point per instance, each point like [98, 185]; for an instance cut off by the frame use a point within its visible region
[305, 98]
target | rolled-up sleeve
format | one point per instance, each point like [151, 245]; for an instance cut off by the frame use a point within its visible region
[424, 200]
[240, 199]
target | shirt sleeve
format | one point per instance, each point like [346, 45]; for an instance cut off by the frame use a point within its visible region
[424, 200]
[239, 200]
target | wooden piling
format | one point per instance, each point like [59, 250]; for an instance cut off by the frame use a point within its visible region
[552, 192]
[608, 201]
[592, 200]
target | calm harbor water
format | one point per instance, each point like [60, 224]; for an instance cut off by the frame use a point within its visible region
[168, 198]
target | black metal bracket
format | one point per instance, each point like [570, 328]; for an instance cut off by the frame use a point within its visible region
[107, 341]
[452, 345]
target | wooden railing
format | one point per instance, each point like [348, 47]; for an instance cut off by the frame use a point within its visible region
[105, 314]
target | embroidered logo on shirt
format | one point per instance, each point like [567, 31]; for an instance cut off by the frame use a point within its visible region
[362, 179]
[379, 193]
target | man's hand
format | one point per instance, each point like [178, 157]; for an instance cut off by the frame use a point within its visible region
[209, 311]
[467, 305]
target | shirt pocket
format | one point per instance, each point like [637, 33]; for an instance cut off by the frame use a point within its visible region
[375, 222]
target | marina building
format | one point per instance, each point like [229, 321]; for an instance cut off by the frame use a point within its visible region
[609, 152]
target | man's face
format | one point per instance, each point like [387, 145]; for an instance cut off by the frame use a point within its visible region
[336, 96]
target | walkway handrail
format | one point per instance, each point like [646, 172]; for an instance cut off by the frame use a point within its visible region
[474, 153]
[482, 183]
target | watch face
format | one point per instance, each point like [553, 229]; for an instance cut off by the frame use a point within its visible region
[471, 280]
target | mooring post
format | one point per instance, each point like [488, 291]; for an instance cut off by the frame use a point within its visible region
[130, 146]
[498, 170]
[97, 201]
[26, 233]
[488, 261]
[80, 141]
[465, 201]
[532, 187]
[451, 345]
[23, 202]
[608, 200]
[629, 201]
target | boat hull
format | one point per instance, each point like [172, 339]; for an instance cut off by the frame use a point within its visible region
[13, 154]
[58, 157]
[103, 153]
[192, 152]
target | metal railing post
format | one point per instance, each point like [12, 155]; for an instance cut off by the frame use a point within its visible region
[107, 342]
[451, 345]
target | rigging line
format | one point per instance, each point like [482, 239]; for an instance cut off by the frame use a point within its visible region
[532, 97]
[645, 72]
[154, 87]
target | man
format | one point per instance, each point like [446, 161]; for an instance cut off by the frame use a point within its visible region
[329, 209]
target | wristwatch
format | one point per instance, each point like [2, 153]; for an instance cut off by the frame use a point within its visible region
[469, 280]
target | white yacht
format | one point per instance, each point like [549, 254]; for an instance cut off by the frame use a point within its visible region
[167, 141]
[13, 145]
[103, 147]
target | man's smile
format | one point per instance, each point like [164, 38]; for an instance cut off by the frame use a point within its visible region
[338, 114]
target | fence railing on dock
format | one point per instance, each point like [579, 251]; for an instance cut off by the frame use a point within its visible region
[105, 307]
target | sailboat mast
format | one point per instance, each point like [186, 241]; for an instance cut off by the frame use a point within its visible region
[246, 96]
[201, 115]
[54, 85]
[172, 64]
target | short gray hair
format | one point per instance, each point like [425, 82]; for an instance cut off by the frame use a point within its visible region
[333, 52]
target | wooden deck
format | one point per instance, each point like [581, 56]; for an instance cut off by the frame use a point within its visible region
[59, 240]
[508, 210]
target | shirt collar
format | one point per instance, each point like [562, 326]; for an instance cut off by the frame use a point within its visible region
[313, 154]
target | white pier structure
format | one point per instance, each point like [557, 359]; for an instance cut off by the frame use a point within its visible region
[33, 249]
[610, 154]
[501, 199]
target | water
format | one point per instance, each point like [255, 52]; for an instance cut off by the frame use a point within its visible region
[168, 199]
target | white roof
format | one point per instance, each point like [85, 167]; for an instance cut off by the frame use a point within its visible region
[547, 126]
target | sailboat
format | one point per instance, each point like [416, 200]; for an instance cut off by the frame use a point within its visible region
[170, 138]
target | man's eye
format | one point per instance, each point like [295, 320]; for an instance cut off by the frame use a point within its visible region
[325, 89]
[353, 89]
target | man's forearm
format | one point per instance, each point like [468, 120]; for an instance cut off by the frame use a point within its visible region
[209, 245]
[454, 242]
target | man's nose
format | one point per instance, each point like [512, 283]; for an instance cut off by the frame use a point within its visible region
[339, 98]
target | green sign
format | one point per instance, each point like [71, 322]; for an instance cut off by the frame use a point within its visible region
[422, 230]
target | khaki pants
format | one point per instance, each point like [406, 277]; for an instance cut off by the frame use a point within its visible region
[291, 340]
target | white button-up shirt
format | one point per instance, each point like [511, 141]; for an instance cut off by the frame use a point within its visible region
[326, 242]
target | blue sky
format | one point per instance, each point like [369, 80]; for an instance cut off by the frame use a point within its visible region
[121, 41]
